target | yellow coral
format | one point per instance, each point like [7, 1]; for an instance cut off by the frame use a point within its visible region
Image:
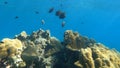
[10, 46]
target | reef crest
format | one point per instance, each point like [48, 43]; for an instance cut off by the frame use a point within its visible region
[40, 50]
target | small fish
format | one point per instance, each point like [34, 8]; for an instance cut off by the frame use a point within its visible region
[58, 13]
[36, 12]
[62, 15]
[5, 2]
[63, 24]
[16, 17]
[42, 22]
[51, 10]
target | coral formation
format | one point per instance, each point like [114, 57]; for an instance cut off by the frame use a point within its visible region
[10, 51]
[75, 41]
[39, 47]
[40, 50]
[98, 56]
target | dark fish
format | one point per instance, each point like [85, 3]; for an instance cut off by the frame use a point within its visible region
[16, 17]
[63, 24]
[62, 15]
[5, 2]
[58, 13]
[36, 12]
[51, 10]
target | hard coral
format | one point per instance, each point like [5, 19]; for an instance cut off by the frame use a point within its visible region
[40, 46]
[74, 41]
[40, 50]
[12, 49]
[98, 57]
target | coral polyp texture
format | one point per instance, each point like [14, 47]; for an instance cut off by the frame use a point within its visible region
[41, 50]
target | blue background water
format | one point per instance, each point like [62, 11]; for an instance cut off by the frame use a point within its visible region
[98, 19]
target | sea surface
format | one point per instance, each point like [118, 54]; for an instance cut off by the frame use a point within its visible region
[98, 19]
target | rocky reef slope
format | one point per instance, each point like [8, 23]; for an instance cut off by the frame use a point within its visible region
[40, 50]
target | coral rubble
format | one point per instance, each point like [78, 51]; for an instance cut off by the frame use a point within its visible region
[40, 50]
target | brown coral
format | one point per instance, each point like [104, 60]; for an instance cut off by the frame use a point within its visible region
[40, 50]
[12, 49]
[74, 41]
[98, 56]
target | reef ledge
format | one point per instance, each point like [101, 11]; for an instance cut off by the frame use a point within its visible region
[40, 50]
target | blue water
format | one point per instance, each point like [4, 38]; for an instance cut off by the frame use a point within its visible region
[98, 19]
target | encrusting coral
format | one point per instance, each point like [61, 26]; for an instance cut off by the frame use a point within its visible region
[40, 50]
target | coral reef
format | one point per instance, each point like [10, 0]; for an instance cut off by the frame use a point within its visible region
[10, 52]
[98, 56]
[75, 41]
[40, 50]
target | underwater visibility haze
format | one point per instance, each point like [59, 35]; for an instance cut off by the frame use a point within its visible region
[59, 34]
[98, 19]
